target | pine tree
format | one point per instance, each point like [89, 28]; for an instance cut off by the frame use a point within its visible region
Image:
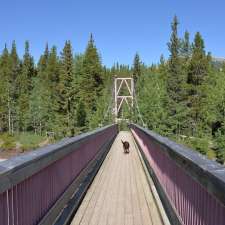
[175, 82]
[185, 50]
[39, 98]
[175, 78]
[42, 64]
[5, 91]
[25, 86]
[136, 67]
[65, 88]
[53, 72]
[198, 70]
[162, 68]
[81, 116]
[220, 145]
[15, 70]
[92, 78]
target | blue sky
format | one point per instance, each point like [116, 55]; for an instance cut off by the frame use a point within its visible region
[120, 27]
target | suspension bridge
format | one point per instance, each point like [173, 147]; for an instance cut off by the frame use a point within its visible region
[87, 179]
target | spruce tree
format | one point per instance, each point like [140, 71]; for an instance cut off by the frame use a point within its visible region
[136, 67]
[15, 70]
[92, 78]
[65, 88]
[175, 78]
[81, 116]
[5, 92]
[25, 85]
[198, 71]
[53, 72]
[175, 82]
[162, 68]
[42, 64]
[185, 50]
[39, 98]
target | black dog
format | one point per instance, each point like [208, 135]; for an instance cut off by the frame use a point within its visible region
[126, 146]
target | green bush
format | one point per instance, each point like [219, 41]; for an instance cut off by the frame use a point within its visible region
[220, 146]
[123, 125]
[199, 144]
[29, 141]
[9, 141]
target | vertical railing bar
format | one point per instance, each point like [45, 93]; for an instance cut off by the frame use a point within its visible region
[17, 210]
[12, 206]
[7, 197]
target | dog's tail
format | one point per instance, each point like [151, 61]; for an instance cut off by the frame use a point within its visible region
[122, 141]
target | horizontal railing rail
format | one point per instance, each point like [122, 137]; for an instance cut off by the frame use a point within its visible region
[32, 183]
[191, 186]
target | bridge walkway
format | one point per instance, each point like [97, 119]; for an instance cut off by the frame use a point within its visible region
[119, 194]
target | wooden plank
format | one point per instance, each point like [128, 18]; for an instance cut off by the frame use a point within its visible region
[128, 200]
[120, 193]
[107, 204]
[92, 192]
[116, 186]
[92, 204]
[145, 213]
[135, 198]
[104, 198]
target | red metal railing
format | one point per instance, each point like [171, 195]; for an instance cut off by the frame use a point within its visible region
[27, 201]
[195, 198]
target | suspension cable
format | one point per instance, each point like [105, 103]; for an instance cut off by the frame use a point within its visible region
[110, 102]
[138, 109]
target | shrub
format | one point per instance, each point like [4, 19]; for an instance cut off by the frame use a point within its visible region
[8, 142]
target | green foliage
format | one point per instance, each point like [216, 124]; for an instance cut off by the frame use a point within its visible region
[152, 98]
[123, 126]
[185, 49]
[175, 83]
[25, 86]
[48, 96]
[92, 77]
[182, 96]
[28, 141]
[220, 145]
[81, 115]
[8, 141]
[5, 98]
[175, 79]
[22, 141]
[198, 71]
[136, 67]
[199, 144]
[65, 89]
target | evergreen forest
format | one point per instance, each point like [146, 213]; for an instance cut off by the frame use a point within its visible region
[64, 94]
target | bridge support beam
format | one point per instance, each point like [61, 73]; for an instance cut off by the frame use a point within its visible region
[119, 98]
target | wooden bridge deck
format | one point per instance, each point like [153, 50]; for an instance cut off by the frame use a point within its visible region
[119, 194]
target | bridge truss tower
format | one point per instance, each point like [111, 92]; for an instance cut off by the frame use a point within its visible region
[126, 83]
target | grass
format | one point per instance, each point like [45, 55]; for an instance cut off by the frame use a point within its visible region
[23, 141]
[202, 145]
[7, 141]
[211, 154]
[29, 141]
